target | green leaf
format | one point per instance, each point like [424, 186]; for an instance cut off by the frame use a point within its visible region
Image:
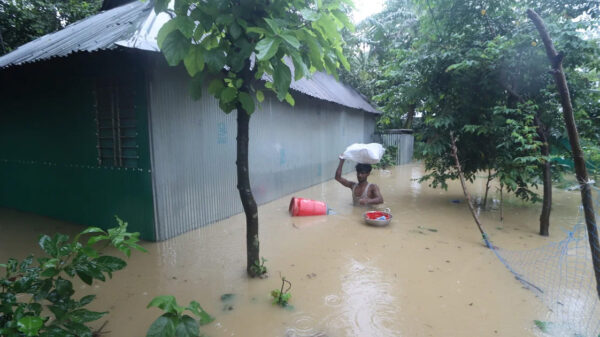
[90, 252]
[215, 87]
[194, 60]
[165, 302]
[300, 68]
[187, 327]
[50, 272]
[78, 329]
[175, 47]
[282, 77]
[196, 86]
[162, 327]
[84, 316]
[160, 6]
[235, 30]
[197, 310]
[86, 300]
[110, 263]
[87, 279]
[229, 94]
[64, 288]
[48, 246]
[329, 27]
[291, 39]
[309, 15]
[30, 325]
[93, 230]
[257, 30]
[290, 99]
[247, 102]
[260, 96]
[267, 48]
[215, 59]
[343, 18]
[274, 25]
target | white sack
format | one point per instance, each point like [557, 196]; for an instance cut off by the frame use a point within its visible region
[364, 153]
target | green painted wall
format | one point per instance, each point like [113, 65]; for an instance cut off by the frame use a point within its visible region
[48, 154]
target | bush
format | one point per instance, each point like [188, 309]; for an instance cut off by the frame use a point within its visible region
[389, 157]
[46, 283]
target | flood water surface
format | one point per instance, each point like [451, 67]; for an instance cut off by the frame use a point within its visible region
[426, 274]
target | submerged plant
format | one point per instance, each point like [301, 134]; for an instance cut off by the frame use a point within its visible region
[280, 296]
[28, 287]
[258, 268]
[173, 323]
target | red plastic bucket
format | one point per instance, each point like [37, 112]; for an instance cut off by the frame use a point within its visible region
[303, 207]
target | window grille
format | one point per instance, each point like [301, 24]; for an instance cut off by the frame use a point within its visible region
[116, 124]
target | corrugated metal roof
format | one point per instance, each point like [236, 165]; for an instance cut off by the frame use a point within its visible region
[97, 32]
[135, 25]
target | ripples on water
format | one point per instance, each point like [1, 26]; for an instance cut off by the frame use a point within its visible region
[366, 307]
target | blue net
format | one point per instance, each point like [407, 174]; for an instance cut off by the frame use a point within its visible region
[561, 274]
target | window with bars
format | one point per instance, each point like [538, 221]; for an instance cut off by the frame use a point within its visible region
[116, 124]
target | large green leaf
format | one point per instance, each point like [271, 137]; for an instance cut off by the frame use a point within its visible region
[30, 325]
[300, 68]
[64, 288]
[267, 47]
[282, 78]
[229, 94]
[84, 316]
[162, 327]
[235, 30]
[167, 303]
[215, 87]
[194, 60]
[291, 39]
[182, 23]
[110, 263]
[175, 47]
[195, 308]
[187, 327]
[215, 59]
[247, 102]
[161, 5]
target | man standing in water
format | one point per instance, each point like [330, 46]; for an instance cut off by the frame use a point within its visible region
[363, 192]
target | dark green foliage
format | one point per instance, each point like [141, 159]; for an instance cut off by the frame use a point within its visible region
[173, 323]
[389, 157]
[47, 280]
[24, 20]
[478, 69]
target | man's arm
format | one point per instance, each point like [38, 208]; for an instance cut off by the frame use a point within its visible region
[338, 175]
[374, 196]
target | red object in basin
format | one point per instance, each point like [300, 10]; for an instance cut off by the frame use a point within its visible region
[377, 214]
[304, 207]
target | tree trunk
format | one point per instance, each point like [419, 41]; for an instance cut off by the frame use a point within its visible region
[243, 186]
[580, 169]
[464, 187]
[501, 203]
[2, 44]
[410, 116]
[547, 178]
[487, 187]
[546, 167]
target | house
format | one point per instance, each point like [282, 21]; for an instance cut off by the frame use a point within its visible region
[94, 123]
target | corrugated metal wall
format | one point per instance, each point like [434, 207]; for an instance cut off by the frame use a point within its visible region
[404, 142]
[194, 151]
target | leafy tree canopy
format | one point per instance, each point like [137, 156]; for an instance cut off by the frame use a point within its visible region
[24, 20]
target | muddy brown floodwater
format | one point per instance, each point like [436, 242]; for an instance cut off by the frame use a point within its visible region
[426, 274]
